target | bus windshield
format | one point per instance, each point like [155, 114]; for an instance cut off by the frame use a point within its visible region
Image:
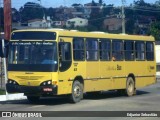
[33, 56]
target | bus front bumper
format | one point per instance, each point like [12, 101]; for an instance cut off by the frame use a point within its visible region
[29, 90]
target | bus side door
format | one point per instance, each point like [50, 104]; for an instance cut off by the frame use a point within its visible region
[65, 65]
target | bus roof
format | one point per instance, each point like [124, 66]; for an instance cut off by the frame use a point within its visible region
[96, 34]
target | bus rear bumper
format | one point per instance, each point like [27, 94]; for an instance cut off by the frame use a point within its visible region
[32, 90]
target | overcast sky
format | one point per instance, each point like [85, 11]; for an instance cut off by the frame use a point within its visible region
[56, 3]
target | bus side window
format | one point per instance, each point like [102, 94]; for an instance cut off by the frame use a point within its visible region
[65, 51]
[78, 49]
[129, 50]
[140, 50]
[149, 51]
[105, 49]
[117, 50]
[92, 49]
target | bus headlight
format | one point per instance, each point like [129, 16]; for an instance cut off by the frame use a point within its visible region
[12, 82]
[45, 83]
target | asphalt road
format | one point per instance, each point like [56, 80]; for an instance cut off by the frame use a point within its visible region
[147, 99]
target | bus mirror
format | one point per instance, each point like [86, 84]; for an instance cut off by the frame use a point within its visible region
[4, 46]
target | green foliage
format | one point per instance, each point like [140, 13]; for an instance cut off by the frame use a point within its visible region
[31, 11]
[96, 18]
[130, 26]
[101, 1]
[50, 12]
[107, 9]
[2, 92]
[83, 29]
[155, 30]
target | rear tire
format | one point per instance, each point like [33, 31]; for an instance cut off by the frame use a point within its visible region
[77, 92]
[33, 99]
[130, 87]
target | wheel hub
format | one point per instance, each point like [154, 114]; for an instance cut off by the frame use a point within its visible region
[77, 91]
[130, 87]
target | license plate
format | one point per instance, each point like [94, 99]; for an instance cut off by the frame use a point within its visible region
[47, 89]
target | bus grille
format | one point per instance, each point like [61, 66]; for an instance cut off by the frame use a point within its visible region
[29, 77]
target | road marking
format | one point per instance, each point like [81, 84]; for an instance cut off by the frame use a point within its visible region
[37, 106]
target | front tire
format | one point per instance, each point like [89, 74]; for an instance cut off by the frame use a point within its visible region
[130, 87]
[77, 92]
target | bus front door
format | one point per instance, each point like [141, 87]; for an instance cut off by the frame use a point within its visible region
[65, 65]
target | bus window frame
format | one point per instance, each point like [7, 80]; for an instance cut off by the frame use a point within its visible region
[133, 51]
[113, 57]
[140, 51]
[86, 49]
[153, 52]
[64, 64]
[84, 54]
[100, 49]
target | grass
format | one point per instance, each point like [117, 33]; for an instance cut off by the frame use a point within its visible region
[2, 92]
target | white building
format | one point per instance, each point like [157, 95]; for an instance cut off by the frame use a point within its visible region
[158, 58]
[39, 23]
[77, 22]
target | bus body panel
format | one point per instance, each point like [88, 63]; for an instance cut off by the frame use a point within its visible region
[95, 75]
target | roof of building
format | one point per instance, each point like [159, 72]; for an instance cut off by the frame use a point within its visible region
[76, 19]
[34, 20]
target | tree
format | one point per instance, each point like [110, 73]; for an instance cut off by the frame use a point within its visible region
[50, 12]
[31, 11]
[155, 30]
[93, 2]
[96, 18]
[15, 15]
[107, 9]
[78, 7]
[101, 2]
[141, 3]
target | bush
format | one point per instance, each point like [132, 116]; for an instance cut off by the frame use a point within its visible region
[2, 92]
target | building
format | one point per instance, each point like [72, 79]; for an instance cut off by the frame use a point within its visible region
[144, 23]
[112, 24]
[58, 23]
[78, 14]
[88, 8]
[39, 23]
[77, 22]
[158, 57]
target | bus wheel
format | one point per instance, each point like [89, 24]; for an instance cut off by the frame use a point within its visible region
[130, 87]
[77, 92]
[33, 99]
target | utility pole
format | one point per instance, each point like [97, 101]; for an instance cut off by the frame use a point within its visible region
[7, 33]
[7, 19]
[123, 17]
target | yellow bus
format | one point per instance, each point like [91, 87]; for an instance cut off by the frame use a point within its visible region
[48, 62]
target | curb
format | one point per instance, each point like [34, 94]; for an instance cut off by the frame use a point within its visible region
[19, 96]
